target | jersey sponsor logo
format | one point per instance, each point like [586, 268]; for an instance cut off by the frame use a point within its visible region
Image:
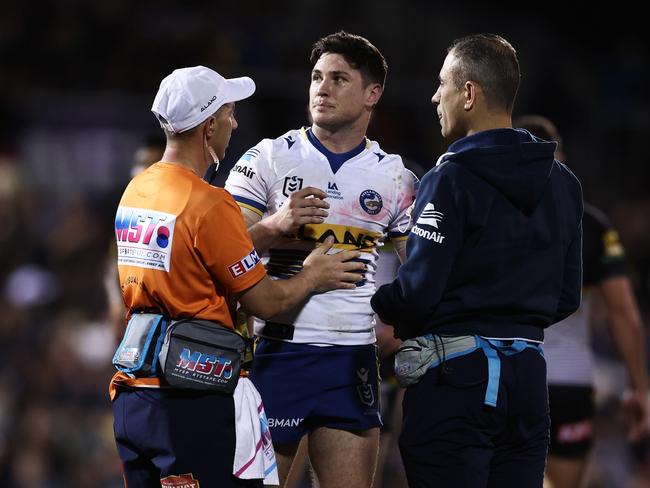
[295, 422]
[371, 202]
[198, 364]
[144, 237]
[344, 236]
[244, 265]
[246, 171]
[430, 216]
[291, 184]
[430, 235]
[333, 191]
[179, 481]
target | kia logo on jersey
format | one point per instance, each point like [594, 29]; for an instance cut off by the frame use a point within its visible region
[144, 237]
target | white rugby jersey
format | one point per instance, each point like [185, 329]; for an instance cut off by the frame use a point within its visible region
[369, 194]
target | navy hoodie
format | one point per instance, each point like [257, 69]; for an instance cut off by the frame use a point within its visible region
[495, 248]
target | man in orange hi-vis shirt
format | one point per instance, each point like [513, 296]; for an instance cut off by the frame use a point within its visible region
[184, 252]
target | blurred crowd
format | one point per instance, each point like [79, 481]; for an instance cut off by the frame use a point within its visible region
[74, 114]
[55, 421]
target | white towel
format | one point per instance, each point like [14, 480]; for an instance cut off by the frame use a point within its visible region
[254, 454]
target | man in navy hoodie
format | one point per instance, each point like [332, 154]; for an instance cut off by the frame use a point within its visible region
[493, 258]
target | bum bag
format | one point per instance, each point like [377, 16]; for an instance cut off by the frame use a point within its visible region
[201, 355]
[418, 355]
[187, 353]
[137, 354]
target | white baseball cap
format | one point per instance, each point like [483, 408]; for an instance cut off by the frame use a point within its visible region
[188, 96]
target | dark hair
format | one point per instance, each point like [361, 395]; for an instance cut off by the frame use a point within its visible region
[358, 51]
[539, 126]
[490, 61]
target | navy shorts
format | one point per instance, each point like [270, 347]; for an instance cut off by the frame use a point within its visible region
[176, 438]
[304, 387]
[572, 419]
[451, 439]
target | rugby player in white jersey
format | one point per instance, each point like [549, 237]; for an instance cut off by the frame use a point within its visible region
[316, 366]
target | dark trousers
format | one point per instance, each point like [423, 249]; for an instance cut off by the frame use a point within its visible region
[186, 437]
[451, 439]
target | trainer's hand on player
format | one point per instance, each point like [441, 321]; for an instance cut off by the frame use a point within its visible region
[305, 206]
[332, 271]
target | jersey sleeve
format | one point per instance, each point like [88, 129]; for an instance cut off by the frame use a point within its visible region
[603, 252]
[406, 188]
[247, 181]
[226, 248]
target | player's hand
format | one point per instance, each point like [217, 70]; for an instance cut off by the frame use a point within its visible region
[305, 206]
[332, 271]
[637, 405]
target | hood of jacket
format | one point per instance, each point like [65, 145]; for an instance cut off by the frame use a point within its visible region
[513, 161]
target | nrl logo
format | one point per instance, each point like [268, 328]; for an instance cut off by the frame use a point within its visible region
[291, 184]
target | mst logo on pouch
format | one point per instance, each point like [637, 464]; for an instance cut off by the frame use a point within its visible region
[291, 184]
[244, 265]
[198, 364]
[144, 237]
[370, 201]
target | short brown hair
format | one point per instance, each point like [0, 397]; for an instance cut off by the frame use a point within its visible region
[358, 51]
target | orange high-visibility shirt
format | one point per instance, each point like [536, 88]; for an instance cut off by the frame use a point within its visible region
[182, 249]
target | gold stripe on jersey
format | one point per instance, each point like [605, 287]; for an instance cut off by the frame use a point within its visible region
[399, 238]
[250, 207]
[345, 237]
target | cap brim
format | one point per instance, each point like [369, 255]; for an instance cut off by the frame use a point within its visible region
[238, 89]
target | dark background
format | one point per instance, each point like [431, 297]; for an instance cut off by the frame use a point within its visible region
[77, 79]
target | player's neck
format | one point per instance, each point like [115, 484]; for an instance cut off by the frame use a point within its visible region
[339, 140]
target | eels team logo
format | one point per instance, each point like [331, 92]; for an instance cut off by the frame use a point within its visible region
[370, 201]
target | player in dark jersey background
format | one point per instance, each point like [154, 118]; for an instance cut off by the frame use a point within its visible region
[567, 347]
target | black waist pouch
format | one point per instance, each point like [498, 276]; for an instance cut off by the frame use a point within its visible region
[201, 355]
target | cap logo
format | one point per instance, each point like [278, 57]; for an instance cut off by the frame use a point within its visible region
[209, 103]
